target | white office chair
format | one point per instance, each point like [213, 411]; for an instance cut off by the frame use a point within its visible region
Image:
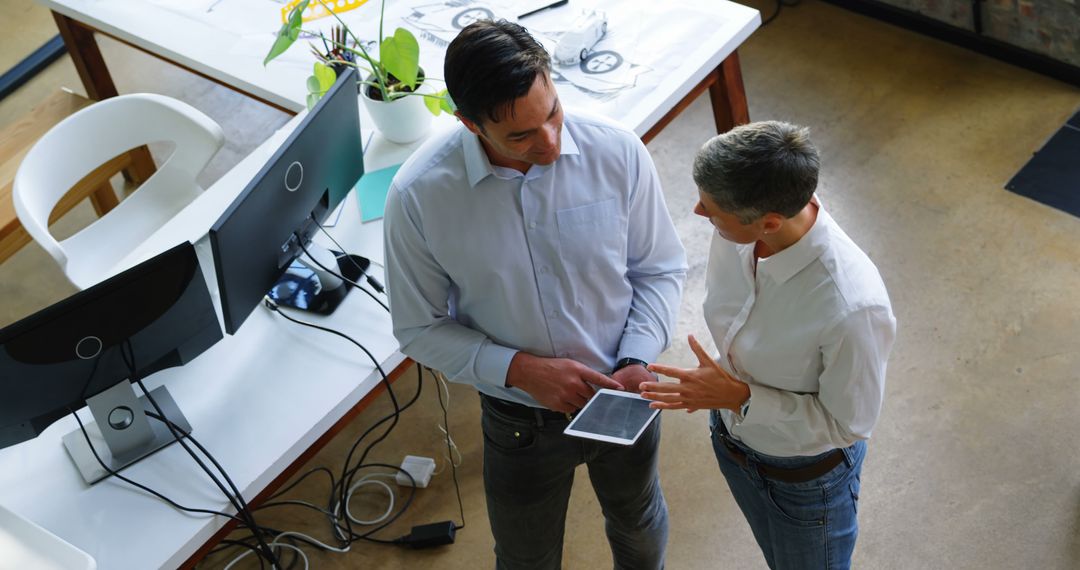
[86, 140]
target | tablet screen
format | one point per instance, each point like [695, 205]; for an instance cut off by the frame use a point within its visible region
[614, 416]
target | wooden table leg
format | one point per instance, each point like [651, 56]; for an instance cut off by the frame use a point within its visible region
[725, 93]
[99, 85]
[728, 96]
[104, 199]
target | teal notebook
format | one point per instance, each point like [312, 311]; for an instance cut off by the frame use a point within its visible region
[371, 192]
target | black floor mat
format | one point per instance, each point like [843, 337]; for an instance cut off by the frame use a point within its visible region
[1052, 176]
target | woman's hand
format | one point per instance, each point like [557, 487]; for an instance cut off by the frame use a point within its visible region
[706, 387]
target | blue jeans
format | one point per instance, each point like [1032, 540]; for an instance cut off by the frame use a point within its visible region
[807, 525]
[528, 472]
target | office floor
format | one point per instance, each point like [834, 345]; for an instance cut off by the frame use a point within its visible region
[975, 461]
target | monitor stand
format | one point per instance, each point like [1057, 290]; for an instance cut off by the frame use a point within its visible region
[308, 287]
[122, 433]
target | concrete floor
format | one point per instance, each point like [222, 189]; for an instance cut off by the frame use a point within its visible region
[975, 461]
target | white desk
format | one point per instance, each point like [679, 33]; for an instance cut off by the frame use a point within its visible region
[676, 48]
[257, 400]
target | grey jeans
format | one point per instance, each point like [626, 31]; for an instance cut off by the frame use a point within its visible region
[529, 471]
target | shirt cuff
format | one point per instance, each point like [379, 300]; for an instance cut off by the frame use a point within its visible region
[639, 346]
[764, 409]
[492, 363]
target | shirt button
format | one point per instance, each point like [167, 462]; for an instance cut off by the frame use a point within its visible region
[553, 314]
[543, 270]
[532, 225]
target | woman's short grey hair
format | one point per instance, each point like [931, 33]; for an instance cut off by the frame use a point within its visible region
[755, 169]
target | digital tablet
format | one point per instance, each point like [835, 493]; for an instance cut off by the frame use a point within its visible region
[613, 416]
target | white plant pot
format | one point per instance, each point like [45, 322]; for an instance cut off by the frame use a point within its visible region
[403, 120]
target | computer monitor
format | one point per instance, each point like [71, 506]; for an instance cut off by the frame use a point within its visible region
[85, 349]
[254, 240]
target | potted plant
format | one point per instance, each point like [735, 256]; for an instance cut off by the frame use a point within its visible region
[393, 86]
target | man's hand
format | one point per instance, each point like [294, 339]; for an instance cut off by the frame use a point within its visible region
[632, 376]
[706, 387]
[558, 384]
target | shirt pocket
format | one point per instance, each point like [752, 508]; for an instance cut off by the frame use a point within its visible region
[591, 233]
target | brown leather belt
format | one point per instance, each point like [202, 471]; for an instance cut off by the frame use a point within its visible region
[795, 475]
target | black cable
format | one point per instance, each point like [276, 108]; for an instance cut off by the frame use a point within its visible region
[779, 4]
[300, 242]
[378, 287]
[295, 552]
[340, 488]
[298, 481]
[449, 449]
[346, 477]
[110, 471]
[408, 501]
[344, 253]
[367, 276]
[172, 503]
[177, 429]
[274, 307]
[230, 544]
[236, 499]
[347, 474]
[90, 377]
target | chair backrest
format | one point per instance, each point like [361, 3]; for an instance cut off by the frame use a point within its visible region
[91, 137]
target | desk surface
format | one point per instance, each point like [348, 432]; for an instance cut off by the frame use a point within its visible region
[654, 54]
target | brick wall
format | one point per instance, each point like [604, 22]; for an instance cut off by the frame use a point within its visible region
[953, 12]
[1048, 27]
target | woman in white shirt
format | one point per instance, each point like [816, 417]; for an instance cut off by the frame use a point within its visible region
[803, 326]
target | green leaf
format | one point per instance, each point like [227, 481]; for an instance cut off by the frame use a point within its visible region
[400, 55]
[447, 104]
[313, 86]
[432, 104]
[319, 83]
[326, 76]
[288, 33]
[438, 102]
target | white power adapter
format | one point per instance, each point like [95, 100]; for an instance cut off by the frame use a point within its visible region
[420, 468]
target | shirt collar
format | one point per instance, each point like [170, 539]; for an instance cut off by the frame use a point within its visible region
[477, 165]
[785, 264]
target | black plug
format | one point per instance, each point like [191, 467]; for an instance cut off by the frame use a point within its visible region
[430, 535]
[374, 283]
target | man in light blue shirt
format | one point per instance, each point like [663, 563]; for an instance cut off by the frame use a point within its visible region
[530, 253]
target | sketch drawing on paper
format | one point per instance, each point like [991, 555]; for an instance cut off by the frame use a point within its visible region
[603, 74]
[440, 22]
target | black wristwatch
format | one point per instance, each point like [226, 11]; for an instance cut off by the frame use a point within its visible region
[624, 362]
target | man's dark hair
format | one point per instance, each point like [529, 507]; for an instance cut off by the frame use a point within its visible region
[489, 65]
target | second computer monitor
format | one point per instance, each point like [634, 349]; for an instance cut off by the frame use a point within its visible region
[255, 240]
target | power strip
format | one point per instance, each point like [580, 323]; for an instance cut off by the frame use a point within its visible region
[420, 468]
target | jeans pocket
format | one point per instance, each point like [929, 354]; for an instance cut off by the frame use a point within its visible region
[801, 507]
[507, 437]
[854, 488]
